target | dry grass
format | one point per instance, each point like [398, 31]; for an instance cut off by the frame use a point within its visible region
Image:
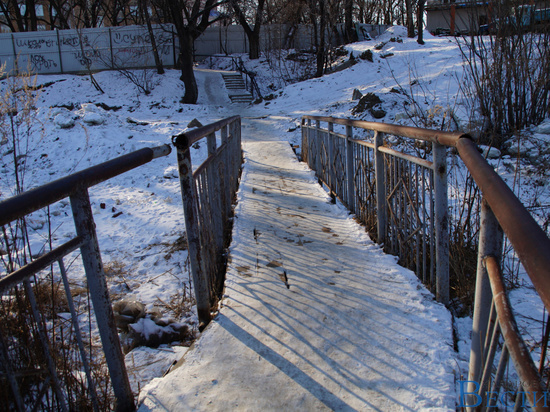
[21, 336]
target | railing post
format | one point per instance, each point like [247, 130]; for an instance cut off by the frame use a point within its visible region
[441, 212]
[303, 152]
[238, 147]
[189, 195]
[237, 124]
[211, 143]
[227, 170]
[330, 153]
[309, 143]
[350, 170]
[99, 292]
[380, 173]
[214, 198]
[317, 149]
[490, 244]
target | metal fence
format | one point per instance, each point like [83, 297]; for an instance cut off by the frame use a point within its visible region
[403, 200]
[208, 194]
[48, 364]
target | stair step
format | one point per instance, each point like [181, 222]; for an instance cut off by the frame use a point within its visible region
[235, 82]
[241, 99]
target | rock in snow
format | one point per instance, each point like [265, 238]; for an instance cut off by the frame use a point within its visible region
[93, 119]
[64, 120]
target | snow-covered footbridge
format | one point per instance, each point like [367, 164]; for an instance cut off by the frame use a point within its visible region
[314, 316]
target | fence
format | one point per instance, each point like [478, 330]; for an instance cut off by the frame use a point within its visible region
[208, 195]
[52, 365]
[77, 51]
[130, 47]
[232, 39]
[43, 364]
[400, 198]
[403, 199]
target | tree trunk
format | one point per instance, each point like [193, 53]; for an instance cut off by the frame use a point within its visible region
[410, 22]
[254, 45]
[158, 62]
[18, 18]
[187, 75]
[253, 35]
[348, 18]
[420, 21]
[321, 47]
[31, 10]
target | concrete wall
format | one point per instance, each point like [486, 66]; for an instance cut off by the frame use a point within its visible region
[105, 48]
[72, 51]
[370, 31]
[232, 39]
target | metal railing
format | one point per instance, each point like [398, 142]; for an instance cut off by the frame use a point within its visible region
[21, 287]
[403, 200]
[208, 195]
[249, 77]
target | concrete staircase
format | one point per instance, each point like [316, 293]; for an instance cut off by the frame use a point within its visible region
[236, 88]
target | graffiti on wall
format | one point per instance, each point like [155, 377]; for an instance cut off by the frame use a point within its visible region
[71, 51]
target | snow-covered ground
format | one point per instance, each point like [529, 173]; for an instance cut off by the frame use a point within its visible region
[139, 214]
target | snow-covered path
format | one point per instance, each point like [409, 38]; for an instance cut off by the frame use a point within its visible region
[315, 316]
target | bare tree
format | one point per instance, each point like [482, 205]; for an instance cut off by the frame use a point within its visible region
[348, 21]
[318, 19]
[59, 12]
[9, 15]
[144, 10]
[190, 18]
[253, 33]
[508, 73]
[116, 12]
[19, 16]
[409, 18]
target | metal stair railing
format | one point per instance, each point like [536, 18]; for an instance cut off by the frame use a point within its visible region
[249, 76]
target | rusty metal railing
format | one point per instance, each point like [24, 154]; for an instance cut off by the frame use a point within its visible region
[364, 180]
[208, 194]
[402, 199]
[19, 289]
[503, 213]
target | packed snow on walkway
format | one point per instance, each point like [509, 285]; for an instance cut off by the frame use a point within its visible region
[315, 316]
[139, 214]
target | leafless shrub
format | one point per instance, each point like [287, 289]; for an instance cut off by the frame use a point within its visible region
[31, 361]
[508, 73]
